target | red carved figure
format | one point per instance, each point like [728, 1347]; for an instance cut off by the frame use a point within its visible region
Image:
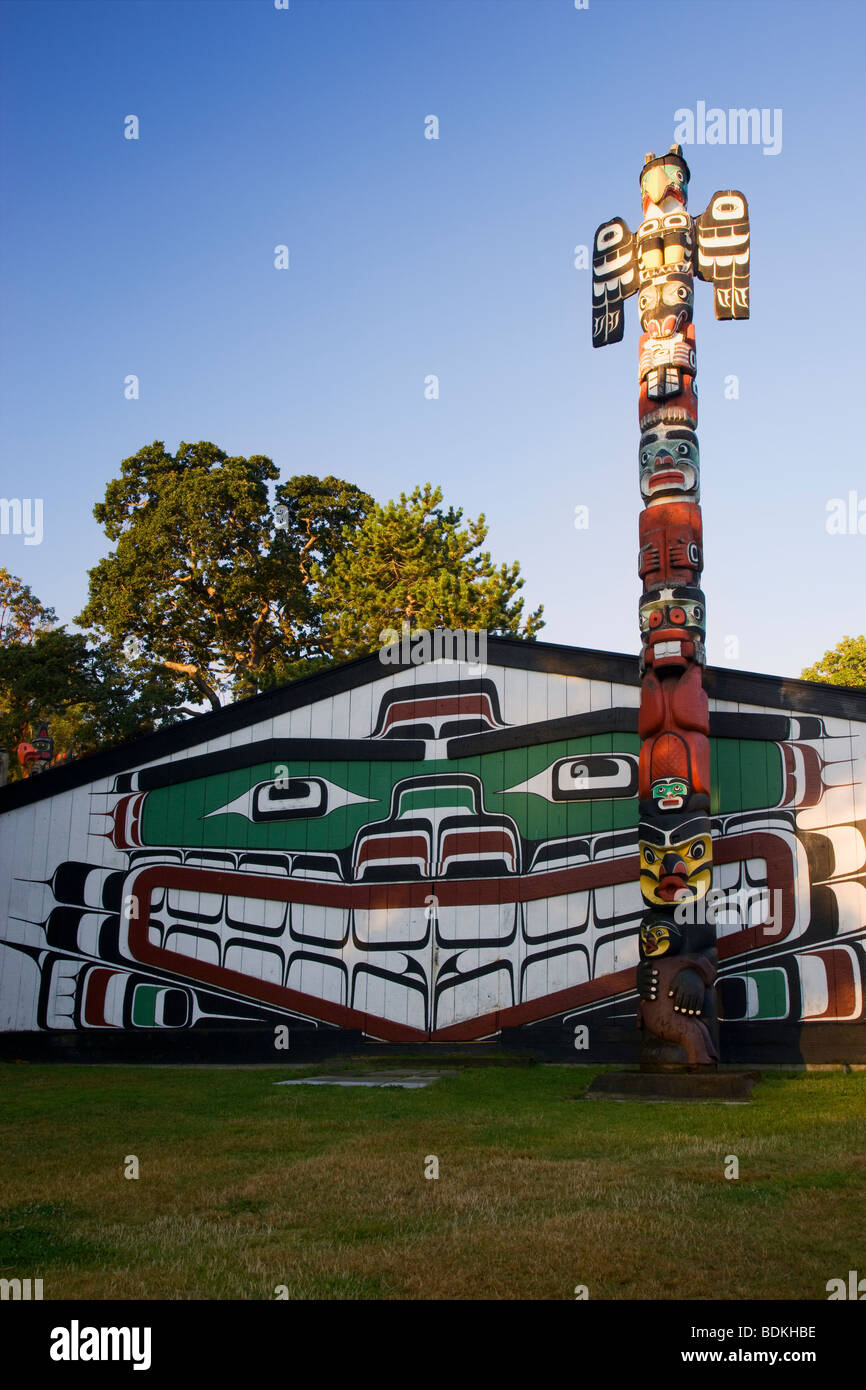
[658, 263]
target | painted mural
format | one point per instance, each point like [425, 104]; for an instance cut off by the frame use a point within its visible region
[434, 852]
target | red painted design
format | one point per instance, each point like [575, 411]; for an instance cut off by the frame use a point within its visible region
[93, 1012]
[440, 707]
[450, 893]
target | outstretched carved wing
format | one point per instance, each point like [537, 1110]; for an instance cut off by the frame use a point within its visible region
[723, 252]
[614, 278]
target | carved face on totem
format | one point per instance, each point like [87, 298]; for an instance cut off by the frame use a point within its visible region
[665, 304]
[669, 793]
[672, 623]
[664, 183]
[670, 464]
[677, 863]
[674, 774]
[657, 938]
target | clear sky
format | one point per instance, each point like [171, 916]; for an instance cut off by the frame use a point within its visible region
[454, 257]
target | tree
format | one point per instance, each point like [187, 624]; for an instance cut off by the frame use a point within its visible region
[410, 560]
[38, 680]
[90, 699]
[200, 577]
[126, 700]
[845, 664]
[21, 613]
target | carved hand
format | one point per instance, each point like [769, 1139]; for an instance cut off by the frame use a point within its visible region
[646, 985]
[687, 992]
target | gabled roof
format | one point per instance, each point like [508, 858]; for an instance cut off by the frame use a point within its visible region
[743, 687]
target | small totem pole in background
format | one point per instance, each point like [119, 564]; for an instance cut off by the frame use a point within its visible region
[678, 958]
[35, 757]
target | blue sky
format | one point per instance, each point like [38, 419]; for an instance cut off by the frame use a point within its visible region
[454, 256]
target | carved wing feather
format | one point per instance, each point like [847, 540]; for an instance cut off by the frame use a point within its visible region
[723, 252]
[614, 278]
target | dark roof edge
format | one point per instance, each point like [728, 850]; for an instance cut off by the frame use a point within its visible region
[743, 687]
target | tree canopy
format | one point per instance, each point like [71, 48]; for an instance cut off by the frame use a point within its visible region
[22, 616]
[845, 664]
[223, 581]
[91, 698]
[200, 578]
[412, 561]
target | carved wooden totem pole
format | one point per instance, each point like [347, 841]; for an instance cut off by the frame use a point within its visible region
[678, 958]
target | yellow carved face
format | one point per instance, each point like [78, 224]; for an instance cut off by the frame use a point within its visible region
[676, 864]
[655, 940]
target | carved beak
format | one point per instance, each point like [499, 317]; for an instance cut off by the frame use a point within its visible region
[657, 188]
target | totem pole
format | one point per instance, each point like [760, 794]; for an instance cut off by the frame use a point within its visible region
[678, 958]
[35, 757]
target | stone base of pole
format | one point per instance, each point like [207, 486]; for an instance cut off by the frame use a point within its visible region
[675, 1083]
[658, 1054]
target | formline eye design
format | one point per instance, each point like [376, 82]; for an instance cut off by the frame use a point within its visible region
[677, 775]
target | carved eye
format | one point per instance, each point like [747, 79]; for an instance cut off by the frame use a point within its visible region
[693, 553]
[697, 613]
[655, 618]
[675, 292]
[678, 175]
[683, 450]
[645, 456]
[678, 617]
[698, 850]
[649, 856]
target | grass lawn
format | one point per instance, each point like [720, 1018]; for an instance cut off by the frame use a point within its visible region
[245, 1185]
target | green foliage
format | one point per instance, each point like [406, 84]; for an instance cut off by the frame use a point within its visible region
[38, 680]
[199, 575]
[844, 665]
[204, 597]
[21, 613]
[89, 696]
[411, 560]
[125, 700]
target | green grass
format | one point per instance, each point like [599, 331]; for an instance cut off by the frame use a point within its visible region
[246, 1185]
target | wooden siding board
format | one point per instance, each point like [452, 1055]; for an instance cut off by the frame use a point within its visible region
[547, 698]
